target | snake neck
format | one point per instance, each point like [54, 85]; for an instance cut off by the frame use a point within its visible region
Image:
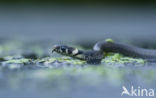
[93, 57]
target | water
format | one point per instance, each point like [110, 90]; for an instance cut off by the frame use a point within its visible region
[84, 25]
[51, 22]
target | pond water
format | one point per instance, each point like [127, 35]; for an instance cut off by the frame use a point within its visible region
[33, 29]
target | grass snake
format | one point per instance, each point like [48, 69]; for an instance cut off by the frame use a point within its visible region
[100, 48]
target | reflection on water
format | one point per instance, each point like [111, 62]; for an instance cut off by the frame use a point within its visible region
[76, 82]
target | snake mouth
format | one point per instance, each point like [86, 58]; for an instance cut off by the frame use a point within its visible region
[62, 49]
[55, 48]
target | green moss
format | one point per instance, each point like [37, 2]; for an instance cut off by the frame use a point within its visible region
[64, 59]
[109, 40]
[116, 58]
[18, 61]
[110, 58]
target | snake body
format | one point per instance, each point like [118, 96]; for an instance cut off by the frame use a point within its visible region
[95, 56]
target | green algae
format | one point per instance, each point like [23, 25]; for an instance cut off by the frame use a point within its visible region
[18, 61]
[110, 58]
[69, 60]
[109, 40]
[116, 58]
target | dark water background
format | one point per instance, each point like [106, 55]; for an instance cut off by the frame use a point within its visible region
[79, 24]
[134, 23]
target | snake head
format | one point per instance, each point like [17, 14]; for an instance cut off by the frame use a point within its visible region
[55, 48]
[58, 48]
[64, 50]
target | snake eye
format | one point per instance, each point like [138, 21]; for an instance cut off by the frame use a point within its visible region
[60, 49]
[63, 48]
